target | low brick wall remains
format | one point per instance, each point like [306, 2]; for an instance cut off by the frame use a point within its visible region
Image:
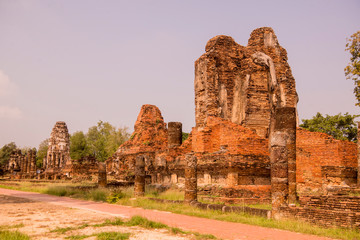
[328, 211]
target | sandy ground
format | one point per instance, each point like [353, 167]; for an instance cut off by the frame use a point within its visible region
[38, 219]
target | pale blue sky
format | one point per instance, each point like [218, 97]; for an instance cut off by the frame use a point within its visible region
[83, 61]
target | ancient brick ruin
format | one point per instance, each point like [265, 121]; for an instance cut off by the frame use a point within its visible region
[22, 165]
[237, 90]
[243, 98]
[243, 84]
[58, 165]
[245, 148]
[58, 154]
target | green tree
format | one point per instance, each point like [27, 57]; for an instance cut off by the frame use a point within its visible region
[352, 70]
[185, 136]
[78, 145]
[42, 152]
[339, 126]
[5, 153]
[103, 140]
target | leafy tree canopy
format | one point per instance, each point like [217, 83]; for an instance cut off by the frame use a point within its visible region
[42, 152]
[101, 141]
[78, 145]
[185, 136]
[339, 126]
[352, 70]
[5, 153]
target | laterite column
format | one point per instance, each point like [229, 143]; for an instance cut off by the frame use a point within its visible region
[174, 134]
[102, 180]
[139, 185]
[190, 178]
[283, 159]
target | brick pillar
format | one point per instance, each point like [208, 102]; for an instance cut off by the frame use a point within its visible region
[190, 178]
[139, 186]
[22, 161]
[291, 149]
[282, 159]
[33, 161]
[102, 181]
[174, 134]
[358, 153]
[52, 161]
[28, 162]
[232, 179]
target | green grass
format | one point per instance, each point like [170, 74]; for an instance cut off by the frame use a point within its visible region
[103, 236]
[145, 223]
[77, 237]
[5, 233]
[171, 194]
[5, 227]
[134, 221]
[96, 194]
[66, 229]
[259, 205]
[124, 195]
[13, 235]
[290, 225]
[112, 236]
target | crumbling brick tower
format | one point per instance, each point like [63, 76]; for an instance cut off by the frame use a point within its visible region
[15, 161]
[243, 84]
[58, 153]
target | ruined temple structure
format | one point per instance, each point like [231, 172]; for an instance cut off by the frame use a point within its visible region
[238, 90]
[22, 165]
[58, 165]
[58, 154]
[243, 84]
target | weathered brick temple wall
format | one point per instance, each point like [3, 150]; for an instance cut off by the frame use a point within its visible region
[323, 161]
[22, 165]
[342, 211]
[233, 82]
[245, 98]
[58, 164]
[58, 154]
[237, 89]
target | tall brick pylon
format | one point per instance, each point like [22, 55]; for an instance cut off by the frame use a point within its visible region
[283, 159]
[102, 180]
[190, 178]
[139, 185]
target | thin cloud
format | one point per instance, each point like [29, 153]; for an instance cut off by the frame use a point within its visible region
[7, 112]
[7, 88]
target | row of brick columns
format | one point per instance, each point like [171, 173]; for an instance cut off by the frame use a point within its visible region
[282, 163]
[190, 177]
[282, 159]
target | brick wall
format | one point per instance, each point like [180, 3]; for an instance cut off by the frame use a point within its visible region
[342, 211]
[220, 134]
[317, 153]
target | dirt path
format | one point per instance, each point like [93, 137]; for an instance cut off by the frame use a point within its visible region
[225, 230]
[40, 219]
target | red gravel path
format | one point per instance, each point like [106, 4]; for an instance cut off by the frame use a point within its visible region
[225, 230]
